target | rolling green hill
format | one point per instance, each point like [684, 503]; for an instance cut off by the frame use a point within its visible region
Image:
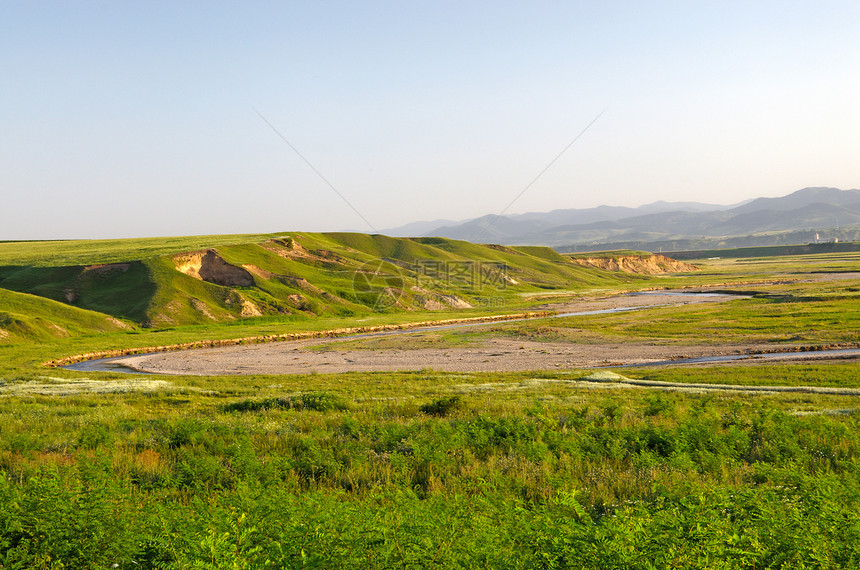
[29, 317]
[199, 280]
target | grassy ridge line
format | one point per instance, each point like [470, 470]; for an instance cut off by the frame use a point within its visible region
[610, 254]
[330, 333]
[54, 253]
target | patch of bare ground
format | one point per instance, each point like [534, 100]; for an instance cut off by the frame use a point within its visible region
[118, 323]
[66, 387]
[610, 380]
[437, 301]
[834, 276]
[201, 308]
[495, 354]
[106, 268]
[249, 308]
[58, 330]
[289, 248]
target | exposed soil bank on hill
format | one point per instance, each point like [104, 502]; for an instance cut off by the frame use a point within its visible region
[650, 265]
[211, 267]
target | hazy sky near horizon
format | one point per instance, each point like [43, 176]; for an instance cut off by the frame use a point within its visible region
[128, 119]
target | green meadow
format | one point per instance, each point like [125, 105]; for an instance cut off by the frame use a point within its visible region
[423, 469]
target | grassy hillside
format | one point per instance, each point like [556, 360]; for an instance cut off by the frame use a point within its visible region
[28, 317]
[192, 281]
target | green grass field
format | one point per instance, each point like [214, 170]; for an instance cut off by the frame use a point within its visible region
[770, 251]
[416, 469]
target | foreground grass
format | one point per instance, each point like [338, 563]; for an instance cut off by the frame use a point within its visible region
[426, 469]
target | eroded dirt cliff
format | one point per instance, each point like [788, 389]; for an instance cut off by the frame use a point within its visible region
[646, 264]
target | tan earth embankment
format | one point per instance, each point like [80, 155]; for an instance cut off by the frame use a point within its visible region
[210, 267]
[651, 265]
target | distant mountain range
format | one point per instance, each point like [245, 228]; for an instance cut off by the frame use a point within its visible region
[673, 225]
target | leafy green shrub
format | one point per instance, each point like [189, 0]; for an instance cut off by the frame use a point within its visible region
[611, 410]
[196, 469]
[93, 435]
[442, 407]
[184, 431]
[321, 402]
[657, 404]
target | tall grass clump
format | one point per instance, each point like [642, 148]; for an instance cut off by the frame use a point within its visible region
[311, 401]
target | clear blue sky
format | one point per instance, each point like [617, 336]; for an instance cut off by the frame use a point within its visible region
[124, 119]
